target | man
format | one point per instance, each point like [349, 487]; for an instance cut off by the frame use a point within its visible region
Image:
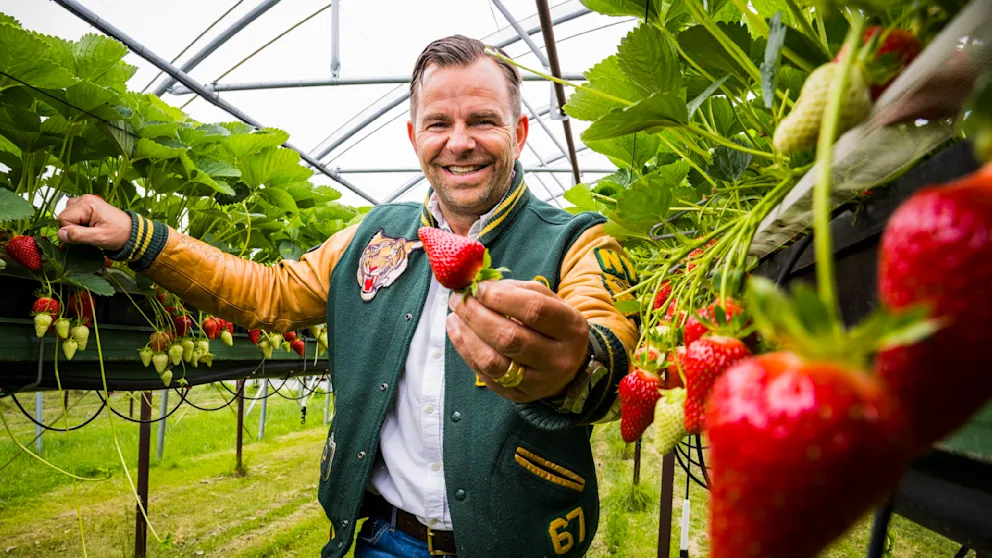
[462, 432]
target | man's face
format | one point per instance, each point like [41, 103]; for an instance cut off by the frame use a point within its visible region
[466, 136]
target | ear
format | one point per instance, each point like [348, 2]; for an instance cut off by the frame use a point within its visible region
[410, 133]
[523, 126]
[377, 236]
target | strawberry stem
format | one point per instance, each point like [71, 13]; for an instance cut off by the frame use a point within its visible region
[825, 276]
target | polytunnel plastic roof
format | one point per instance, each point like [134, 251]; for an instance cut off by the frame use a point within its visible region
[377, 38]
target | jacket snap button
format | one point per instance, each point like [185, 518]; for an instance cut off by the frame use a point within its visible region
[459, 494]
[456, 416]
[408, 317]
[345, 523]
[361, 455]
[383, 386]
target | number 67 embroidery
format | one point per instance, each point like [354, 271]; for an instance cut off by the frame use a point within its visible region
[563, 541]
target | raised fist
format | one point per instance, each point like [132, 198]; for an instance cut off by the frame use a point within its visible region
[89, 219]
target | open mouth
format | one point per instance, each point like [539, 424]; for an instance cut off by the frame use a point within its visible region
[464, 171]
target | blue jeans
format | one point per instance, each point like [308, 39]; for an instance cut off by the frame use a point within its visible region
[386, 542]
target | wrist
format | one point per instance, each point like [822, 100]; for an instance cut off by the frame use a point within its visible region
[147, 240]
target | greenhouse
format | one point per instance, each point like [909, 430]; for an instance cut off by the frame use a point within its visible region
[496, 278]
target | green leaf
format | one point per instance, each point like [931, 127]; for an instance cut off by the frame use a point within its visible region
[217, 168]
[243, 145]
[98, 285]
[650, 60]
[632, 150]
[699, 45]
[660, 110]
[728, 164]
[627, 306]
[608, 77]
[773, 53]
[23, 56]
[646, 202]
[694, 104]
[804, 47]
[80, 259]
[290, 250]
[14, 207]
[580, 196]
[241, 192]
[643, 9]
[279, 198]
[121, 134]
[96, 55]
[261, 167]
[158, 149]
[155, 128]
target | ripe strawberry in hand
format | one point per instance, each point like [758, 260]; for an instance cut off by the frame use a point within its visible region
[638, 391]
[704, 362]
[937, 251]
[459, 263]
[799, 450]
[25, 251]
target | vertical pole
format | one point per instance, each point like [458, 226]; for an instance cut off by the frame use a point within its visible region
[327, 401]
[65, 399]
[880, 530]
[261, 422]
[335, 39]
[130, 410]
[665, 513]
[144, 446]
[241, 421]
[164, 409]
[39, 417]
[637, 462]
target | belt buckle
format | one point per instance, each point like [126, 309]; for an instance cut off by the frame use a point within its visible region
[430, 545]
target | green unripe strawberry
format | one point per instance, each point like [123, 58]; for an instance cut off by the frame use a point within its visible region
[69, 348]
[203, 346]
[161, 362]
[227, 338]
[208, 359]
[62, 326]
[187, 345]
[266, 348]
[275, 339]
[669, 414]
[41, 324]
[801, 128]
[166, 377]
[81, 335]
[146, 356]
[176, 354]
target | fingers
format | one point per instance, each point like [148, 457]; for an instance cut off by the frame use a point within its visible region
[533, 305]
[89, 219]
[506, 336]
[76, 234]
[484, 361]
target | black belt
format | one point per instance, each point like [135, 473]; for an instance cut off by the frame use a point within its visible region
[439, 543]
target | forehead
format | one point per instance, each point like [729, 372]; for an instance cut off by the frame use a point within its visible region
[480, 84]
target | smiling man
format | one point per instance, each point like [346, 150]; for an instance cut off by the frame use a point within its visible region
[461, 425]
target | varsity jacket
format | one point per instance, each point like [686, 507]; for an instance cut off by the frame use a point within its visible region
[520, 478]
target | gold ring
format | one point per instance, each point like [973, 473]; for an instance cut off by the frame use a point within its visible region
[512, 377]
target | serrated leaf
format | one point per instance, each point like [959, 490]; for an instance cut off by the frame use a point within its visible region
[80, 259]
[95, 284]
[279, 198]
[608, 77]
[580, 196]
[698, 100]
[96, 55]
[155, 128]
[773, 53]
[157, 149]
[241, 146]
[660, 110]
[632, 150]
[705, 50]
[650, 60]
[728, 164]
[261, 167]
[23, 57]
[627, 306]
[646, 202]
[14, 207]
[636, 8]
[217, 168]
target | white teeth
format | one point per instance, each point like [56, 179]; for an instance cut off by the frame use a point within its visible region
[463, 170]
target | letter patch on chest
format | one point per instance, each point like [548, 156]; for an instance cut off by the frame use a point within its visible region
[618, 274]
[382, 262]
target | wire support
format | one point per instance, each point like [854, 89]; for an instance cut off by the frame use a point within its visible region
[197, 407]
[266, 396]
[51, 429]
[688, 472]
[139, 421]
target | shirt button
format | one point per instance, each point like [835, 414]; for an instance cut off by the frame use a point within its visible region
[436, 354]
[456, 416]
[435, 467]
[432, 522]
[429, 409]
[459, 494]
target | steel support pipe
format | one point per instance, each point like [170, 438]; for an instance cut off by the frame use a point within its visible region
[107, 28]
[216, 43]
[547, 28]
[521, 33]
[335, 38]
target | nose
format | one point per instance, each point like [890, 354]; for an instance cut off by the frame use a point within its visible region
[460, 141]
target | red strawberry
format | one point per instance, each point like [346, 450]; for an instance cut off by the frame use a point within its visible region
[183, 325]
[45, 305]
[254, 335]
[210, 327]
[676, 360]
[698, 325]
[648, 357]
[81, 304]
[289, 336]
[937, 251]
[299, 346]
[663, 293]
[697, 253]
[107, 262]
[230, 327]
[799, 450]
[159, 341]
[162, 297]
[902, 46]
[170, 310]
[704, 362]
[639, 392]
[25, 251]
[458, 262]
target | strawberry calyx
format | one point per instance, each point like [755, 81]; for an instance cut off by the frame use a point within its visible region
[804, 325]
[487, 273]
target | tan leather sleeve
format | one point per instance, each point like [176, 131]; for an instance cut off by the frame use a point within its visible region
[582, 283]
[282, 297]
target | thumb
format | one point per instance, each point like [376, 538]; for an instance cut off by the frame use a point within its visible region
[78, 234]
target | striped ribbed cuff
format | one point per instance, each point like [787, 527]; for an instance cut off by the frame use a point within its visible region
[147, 241]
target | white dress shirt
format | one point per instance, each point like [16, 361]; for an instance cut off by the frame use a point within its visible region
[409, 470]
